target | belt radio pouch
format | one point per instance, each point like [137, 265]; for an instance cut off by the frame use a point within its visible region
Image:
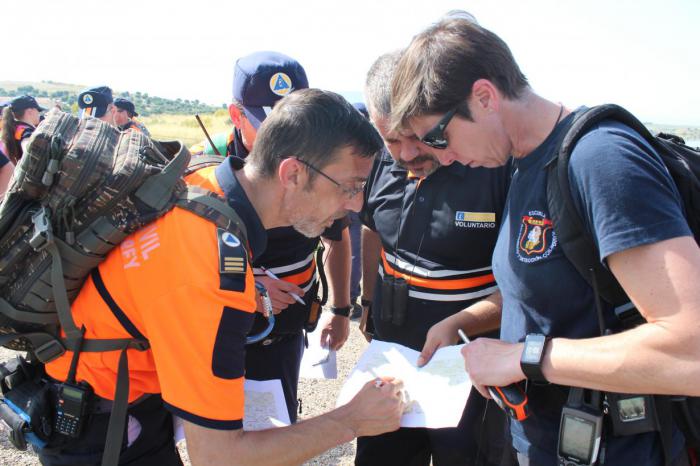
[387, 298]
[315, 309]
[581, 428]
[399, 302]
[25, 407]
[394, 300]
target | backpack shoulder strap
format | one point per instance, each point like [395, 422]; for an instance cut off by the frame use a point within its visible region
[576, 243]
[212, 207]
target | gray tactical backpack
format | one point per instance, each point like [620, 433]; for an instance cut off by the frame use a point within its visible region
[80, 189]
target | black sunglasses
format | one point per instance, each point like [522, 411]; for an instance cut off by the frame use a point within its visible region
[435, 138]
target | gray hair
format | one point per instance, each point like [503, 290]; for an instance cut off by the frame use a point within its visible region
[378, 83]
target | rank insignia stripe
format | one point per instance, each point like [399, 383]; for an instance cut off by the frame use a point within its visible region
[233, 257]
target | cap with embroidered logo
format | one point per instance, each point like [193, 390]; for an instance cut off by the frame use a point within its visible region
[261, 79]
[94, 101]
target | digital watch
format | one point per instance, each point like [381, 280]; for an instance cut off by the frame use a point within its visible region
[531, 359]
[341, 311]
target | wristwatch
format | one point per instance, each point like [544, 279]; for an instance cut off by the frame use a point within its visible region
[341, 311]
[531, 359]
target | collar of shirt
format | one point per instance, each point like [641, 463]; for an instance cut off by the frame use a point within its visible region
[238, 199]
[236, 146]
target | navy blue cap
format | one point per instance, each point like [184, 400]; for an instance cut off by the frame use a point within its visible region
[94, 101]
[126, 104]
[261, 79]
[23, 102]
[362, 108]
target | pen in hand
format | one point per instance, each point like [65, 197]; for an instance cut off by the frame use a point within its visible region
[275, 277]
[511, 399]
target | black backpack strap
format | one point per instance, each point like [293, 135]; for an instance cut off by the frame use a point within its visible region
[210, 206]
[323, 281]
[576, 242]
[118, 416]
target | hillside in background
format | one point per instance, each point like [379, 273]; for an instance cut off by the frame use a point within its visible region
[174, 118]
[67, 94]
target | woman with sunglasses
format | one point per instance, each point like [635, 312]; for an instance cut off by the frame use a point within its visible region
[460, 90]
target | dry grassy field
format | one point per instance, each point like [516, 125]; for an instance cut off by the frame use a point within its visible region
[185, 127]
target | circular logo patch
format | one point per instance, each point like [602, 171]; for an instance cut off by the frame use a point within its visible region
[230, 240]
[280, 84]
[87, 99]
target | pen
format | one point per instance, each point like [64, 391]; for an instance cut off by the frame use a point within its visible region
[511, 399]
[463, 336]
[275, 277]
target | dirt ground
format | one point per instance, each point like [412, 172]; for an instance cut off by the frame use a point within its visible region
[317, 396]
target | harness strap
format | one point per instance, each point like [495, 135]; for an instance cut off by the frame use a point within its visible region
[117, 419]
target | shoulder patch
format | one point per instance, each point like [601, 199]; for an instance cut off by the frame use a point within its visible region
[233, 261]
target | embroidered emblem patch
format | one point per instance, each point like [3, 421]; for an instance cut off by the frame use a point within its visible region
[232, 255]
[537, 238]
[280, 84]
[87, 99]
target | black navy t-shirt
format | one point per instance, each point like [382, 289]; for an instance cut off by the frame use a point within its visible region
[290, 256]
[626, 198]
[438, 233]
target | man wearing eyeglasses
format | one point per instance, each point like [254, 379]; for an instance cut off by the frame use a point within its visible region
[459, 88]
[427, 243]
[194, 309]
[260, 80]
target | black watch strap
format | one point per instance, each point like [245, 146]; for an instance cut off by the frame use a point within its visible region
[341, 311]
[533, 354]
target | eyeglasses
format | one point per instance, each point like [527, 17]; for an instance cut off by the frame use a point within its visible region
[435, 138]
[348, 192]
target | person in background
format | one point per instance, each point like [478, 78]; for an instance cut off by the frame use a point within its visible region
[355, 229]
[124, 116]
[6, 167]
[97, 102]
[260, 81]
[19, 119]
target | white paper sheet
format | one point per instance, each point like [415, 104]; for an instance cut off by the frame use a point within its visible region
[265, 407]
[437, 392]
[318, 362]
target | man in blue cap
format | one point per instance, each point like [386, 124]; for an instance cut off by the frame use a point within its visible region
[97, 102]
[260, 81]
[124, 116]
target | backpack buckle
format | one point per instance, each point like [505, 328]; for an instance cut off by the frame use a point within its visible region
[42, 234]
[49, 351]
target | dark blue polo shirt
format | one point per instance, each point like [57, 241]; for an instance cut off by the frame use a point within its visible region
[438, 233]
[238, 199]
[626, 198]
[290, 256]
[3, 159]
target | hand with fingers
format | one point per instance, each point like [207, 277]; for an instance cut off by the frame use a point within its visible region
[334, 330]
[377, 407]
[279, 292]
[443, 333]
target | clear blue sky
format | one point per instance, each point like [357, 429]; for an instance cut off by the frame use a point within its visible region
[642, 54]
